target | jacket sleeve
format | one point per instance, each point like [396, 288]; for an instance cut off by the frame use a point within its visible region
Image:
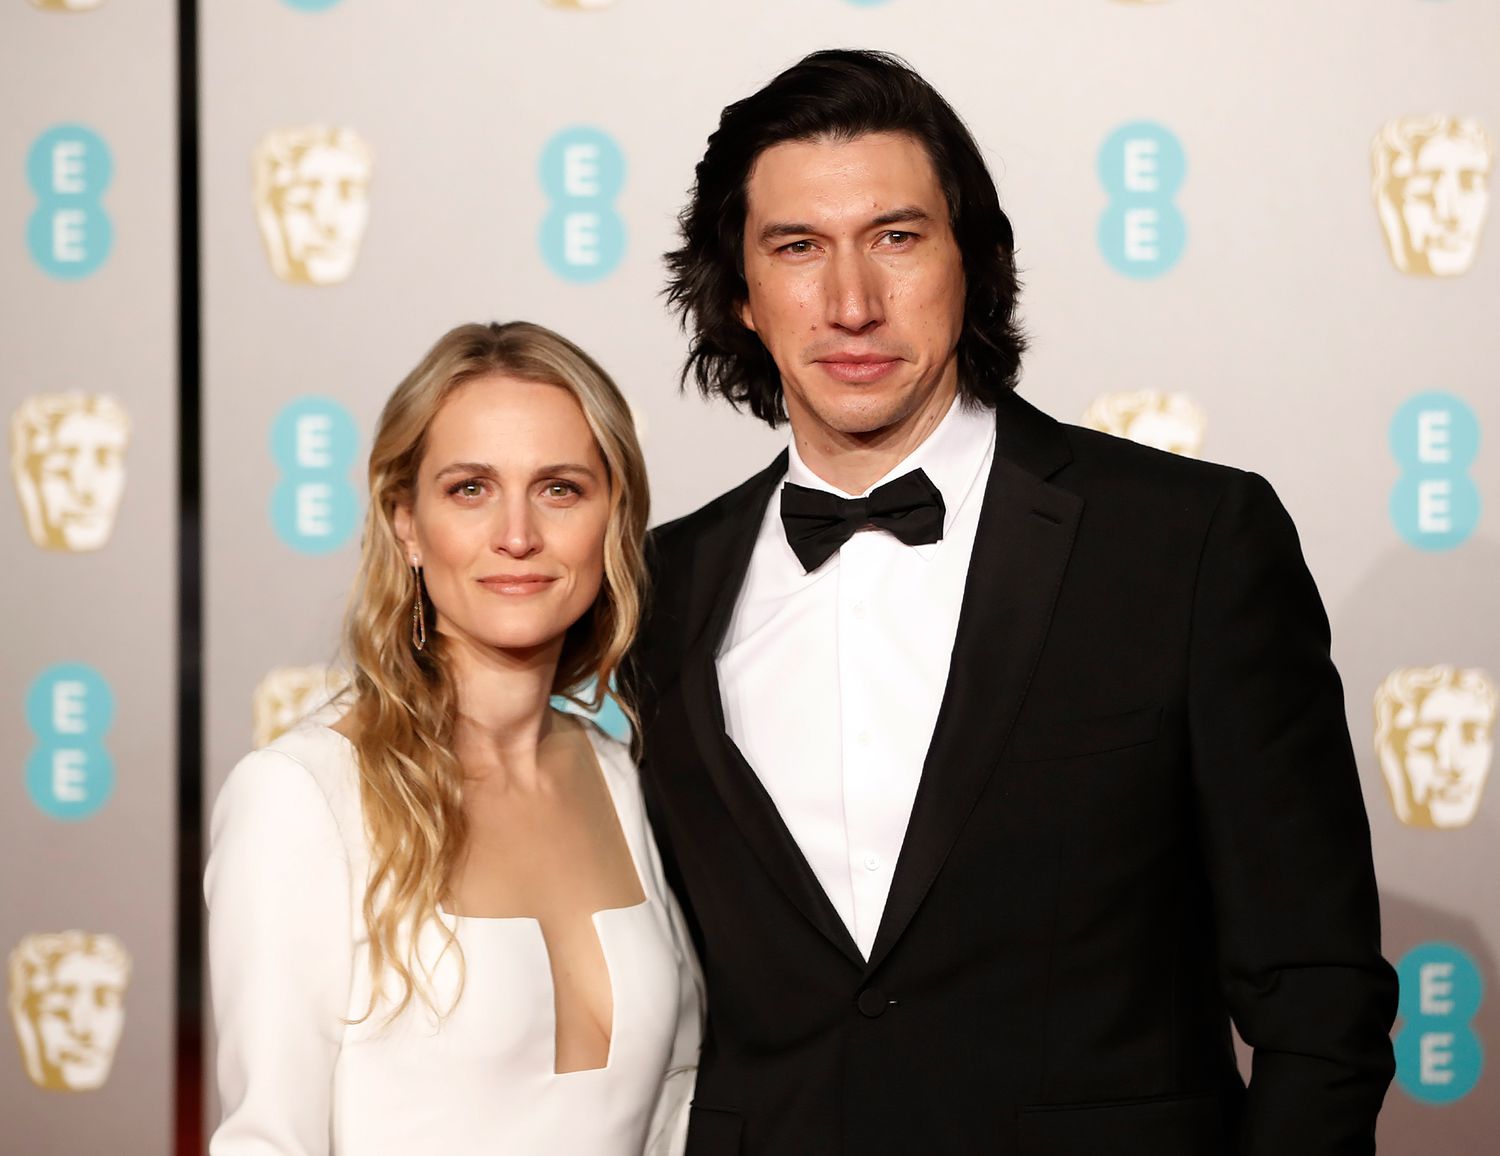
[1286, 839]
[279, 954]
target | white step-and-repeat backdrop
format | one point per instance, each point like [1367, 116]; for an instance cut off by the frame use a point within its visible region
[1253, 232]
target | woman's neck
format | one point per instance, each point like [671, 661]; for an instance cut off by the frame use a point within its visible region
[504, 718]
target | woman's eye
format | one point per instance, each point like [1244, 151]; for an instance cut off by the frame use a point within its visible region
[561, 489]
[473, 488]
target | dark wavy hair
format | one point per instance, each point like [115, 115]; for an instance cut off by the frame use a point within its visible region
[839, 94]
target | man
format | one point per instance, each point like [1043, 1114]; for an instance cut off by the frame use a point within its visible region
[999, 763]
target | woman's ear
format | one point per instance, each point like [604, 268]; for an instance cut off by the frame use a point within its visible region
[401, 522]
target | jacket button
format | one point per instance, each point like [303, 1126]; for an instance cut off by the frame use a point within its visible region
[872, 1002]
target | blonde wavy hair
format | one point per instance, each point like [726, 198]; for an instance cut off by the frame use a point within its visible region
[404, 700]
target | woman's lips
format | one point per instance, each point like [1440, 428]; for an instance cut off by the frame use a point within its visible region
[517, 583]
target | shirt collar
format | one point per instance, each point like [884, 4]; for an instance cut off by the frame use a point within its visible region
[952, 456]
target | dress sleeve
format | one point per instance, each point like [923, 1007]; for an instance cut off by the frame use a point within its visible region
[669, 1120]
[279, 952]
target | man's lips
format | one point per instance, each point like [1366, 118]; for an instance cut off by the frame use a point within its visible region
[516, 583]
[858, 367]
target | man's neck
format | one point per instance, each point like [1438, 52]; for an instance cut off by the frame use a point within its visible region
[853, 462]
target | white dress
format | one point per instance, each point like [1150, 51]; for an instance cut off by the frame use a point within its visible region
[288, 958]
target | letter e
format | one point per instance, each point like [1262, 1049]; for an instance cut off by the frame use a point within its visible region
[67, 168]
[69, 706]
[581, 170]
[67, 235]
[1435, 986]
[581, 238]
[1434, 515]
[1437, 1058]
[1432, 436]
[313, 509]
[312, 441]
[1140, 235]
[1140, 165]
[68, 776]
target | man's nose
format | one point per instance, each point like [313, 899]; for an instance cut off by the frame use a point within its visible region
[854, 290]
[516, 530]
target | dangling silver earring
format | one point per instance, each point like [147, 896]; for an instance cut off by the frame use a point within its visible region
[418, 615]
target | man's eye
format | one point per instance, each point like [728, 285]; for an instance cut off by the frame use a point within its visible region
[899, 238]
[797, 248]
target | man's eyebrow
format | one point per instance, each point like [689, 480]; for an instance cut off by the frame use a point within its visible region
[905, 215]
[778, 229]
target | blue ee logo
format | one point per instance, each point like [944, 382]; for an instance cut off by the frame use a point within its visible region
[1438, 1056]
[314, 507]
[311, 5]
[69, 774]
[583, 237]
[69, 234]
[1141, 166]
[1435, 438]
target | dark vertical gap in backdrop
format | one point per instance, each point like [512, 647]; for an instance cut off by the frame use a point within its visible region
[189, 1044]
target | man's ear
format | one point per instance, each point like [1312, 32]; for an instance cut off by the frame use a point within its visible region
[747, 315]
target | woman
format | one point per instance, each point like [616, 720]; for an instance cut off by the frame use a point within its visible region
[440, 925]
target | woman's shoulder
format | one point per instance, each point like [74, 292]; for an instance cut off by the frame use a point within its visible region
[307, 764]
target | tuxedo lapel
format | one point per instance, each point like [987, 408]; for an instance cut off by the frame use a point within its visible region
[720, 561]
[1021, 549]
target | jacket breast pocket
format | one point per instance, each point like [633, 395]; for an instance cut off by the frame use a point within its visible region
[713, 1132]
[1067, 738]
[1171, 1126]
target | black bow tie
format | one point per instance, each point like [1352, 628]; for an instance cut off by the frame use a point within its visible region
[817, 523]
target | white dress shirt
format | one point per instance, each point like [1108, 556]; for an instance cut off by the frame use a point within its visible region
[302, 1073]
[831, 681]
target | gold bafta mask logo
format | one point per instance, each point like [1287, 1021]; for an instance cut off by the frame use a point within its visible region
[1167, 421]
[67, 1003]
[1432, 191]
[67, 5]
[312, 199]
[1435, 735]
[287, 695]
[67, 459]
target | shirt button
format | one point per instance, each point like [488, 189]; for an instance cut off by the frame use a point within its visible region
[863, 738]
[859, 609]
[872, 862]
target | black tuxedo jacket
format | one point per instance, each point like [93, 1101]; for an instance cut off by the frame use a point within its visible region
[1139, 818]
